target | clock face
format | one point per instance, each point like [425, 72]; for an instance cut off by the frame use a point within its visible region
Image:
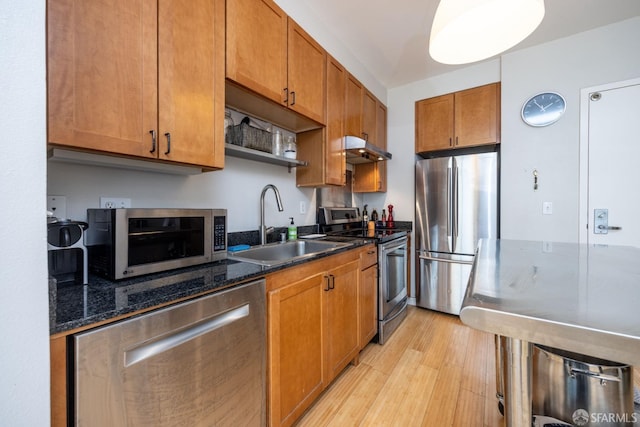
[543, 109]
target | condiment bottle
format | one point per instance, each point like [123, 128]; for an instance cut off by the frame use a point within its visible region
[365, 216]
[390, 223]
[384, 219]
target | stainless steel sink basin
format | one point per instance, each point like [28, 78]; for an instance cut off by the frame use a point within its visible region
[282, 253]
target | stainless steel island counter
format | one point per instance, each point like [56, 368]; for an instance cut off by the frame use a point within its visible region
[580, 298]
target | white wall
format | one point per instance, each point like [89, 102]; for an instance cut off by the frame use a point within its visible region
[237, 188]
[600, 56]
[24, 306]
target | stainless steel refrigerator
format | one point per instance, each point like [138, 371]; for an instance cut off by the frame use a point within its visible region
[456, 205]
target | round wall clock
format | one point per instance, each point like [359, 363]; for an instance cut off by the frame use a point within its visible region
[543, 109]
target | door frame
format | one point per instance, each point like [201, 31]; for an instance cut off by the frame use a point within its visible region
[583, 216]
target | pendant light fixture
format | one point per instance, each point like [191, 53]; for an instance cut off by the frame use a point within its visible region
[466, 31]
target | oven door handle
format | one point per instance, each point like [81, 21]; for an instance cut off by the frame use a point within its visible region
[451, 261]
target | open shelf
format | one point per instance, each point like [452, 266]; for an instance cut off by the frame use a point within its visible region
[261, 156]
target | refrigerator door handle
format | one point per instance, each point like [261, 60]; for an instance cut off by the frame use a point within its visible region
[450, 206]
[454, 203]
[451, 261]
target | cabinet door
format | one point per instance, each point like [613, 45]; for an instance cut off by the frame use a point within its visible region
[340, 318]
[191, 82]
[381, 137]
[324, 148]
[369, 120]
[368, 305]
[353, 107]
[295, 343]
[307, 78]
[365, 177]
[434, 123]
[256, 48]
[102, 75]
[336, 89]
[477, 116]
[372, 177]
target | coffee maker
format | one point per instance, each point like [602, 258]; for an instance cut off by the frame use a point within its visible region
[66, 251]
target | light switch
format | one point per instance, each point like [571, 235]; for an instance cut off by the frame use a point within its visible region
[547, 208]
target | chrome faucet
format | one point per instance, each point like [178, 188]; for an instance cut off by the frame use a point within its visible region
[263, 229]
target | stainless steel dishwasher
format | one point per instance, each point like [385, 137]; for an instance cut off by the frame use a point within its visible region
[198, 363]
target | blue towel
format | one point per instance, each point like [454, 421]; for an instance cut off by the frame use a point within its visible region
[237, 248]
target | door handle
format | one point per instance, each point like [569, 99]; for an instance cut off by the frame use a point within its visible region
[608, 227]
[601, 222]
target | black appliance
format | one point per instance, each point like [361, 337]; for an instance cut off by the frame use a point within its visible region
[347, 224]
[67, 254]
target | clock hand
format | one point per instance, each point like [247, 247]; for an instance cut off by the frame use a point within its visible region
[539, 106]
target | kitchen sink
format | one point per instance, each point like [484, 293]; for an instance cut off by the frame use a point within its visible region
[285, 252]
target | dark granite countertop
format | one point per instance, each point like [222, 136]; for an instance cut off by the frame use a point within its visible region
[73, 307]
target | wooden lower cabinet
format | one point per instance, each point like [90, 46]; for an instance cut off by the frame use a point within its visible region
[58, 368]
[312, 331]
[368, 296]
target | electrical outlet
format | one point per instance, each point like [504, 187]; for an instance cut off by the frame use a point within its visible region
[114, 202]
[547, 208]
[303, 207]
[57, 205]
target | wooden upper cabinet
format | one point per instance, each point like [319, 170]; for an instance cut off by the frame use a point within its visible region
[121, 75]
[257, 47]
[369, 118]
[353, 107]
[324, 148]
[372, 177]
[102, 75]
[477, 117]
[191, 87]
[268, 53]
[462, 119]
[434, 123]
[307, 74]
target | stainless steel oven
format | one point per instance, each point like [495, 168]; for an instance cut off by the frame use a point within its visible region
[346, 223]
[392, 284]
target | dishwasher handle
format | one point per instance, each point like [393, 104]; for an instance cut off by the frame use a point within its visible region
[183, 335]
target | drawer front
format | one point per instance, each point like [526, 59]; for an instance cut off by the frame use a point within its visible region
[368, 257]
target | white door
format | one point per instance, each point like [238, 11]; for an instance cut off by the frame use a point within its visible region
[610, 164]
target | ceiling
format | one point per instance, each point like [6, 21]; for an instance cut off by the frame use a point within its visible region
[390, 38]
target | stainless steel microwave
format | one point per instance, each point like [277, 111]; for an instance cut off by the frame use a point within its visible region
[123, 243]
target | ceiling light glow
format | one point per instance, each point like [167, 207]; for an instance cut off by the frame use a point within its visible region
[466, 31]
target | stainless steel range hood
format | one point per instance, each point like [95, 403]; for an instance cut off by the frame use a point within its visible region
[360, 151]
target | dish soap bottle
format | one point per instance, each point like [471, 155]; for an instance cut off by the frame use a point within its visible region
[292, 231]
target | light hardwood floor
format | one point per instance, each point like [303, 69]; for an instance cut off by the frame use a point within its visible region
[434, 371]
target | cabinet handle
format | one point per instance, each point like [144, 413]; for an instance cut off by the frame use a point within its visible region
[293, 98]
[450, 142]
[153, 141]
[456, 140]
[328, 288]
[286, 95]
[333, 281]
[168, 135]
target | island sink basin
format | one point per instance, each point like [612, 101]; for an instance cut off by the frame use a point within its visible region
[282, 253]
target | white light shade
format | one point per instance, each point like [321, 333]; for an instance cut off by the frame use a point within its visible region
[466, 31]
